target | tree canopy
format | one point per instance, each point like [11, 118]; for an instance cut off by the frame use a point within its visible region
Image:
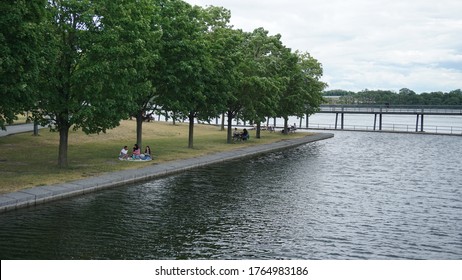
[94, 66]
[20, 55]
[90, 64]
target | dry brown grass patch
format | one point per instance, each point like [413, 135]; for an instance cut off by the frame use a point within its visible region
[28, 161]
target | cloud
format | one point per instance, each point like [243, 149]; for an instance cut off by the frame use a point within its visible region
[374, 44]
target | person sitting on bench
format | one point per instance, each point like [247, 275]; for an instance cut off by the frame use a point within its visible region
[236, 135]
[293, 128]
[245, 135]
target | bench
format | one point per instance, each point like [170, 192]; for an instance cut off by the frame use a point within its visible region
[240, 137]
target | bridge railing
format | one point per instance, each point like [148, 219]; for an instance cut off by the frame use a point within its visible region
[390, 127]
[384, 108]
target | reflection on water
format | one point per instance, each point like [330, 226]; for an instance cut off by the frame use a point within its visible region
[356, 196]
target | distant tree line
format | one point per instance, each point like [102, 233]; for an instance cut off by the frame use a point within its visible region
[90, 64]
[403, 97]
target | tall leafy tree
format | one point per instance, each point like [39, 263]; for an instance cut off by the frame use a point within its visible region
[184, 82]
[264, 82]
[226, 55]
[20, 57]
[304, 87]
[177, 80]
[91, 66]
[236, 51]
[256, 93]
[139, 41]
[312, 71]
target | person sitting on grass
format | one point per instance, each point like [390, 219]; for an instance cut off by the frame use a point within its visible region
[136, 152]
[147, 152]
[124, 153]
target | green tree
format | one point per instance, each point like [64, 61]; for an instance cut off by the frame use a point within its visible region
[255, 94]
[177, 82]
[337, 92]
[185, 82]
[226, 55]
[263, 81]
[91, 68]
[337, 96]
[453, 98]
[303, 93]
[20, 57]
[233, 54]
[139, 42]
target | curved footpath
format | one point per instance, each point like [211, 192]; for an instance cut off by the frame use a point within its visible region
[38, 195]
[20, 128]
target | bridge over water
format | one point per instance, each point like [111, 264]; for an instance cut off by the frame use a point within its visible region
[420, 111]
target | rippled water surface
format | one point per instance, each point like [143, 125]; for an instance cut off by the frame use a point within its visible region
[355, 196]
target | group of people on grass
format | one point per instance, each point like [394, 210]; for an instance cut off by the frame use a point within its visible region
[136, 153]
[238, 136]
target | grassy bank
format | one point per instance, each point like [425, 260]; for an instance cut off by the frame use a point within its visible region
[27, 161]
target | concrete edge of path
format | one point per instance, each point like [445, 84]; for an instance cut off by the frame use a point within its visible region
[43, 194]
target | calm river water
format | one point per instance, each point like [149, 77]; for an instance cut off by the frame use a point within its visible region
[355, 196]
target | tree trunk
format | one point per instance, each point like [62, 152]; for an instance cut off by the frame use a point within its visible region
[139, 129]
[307, 120]
[36, 128]
[258, 135]
[286, 125]
[223, 122]
[63, 146]
[191, 130]
[230, 127]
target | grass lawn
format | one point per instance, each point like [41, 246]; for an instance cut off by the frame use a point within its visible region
[27, 161]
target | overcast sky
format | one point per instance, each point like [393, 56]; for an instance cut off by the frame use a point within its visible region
[373, 44]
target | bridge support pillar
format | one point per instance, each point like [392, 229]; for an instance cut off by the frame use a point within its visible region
[422, 123]
[336, 120]
[380, 121]
[342, 120]
[421, 116]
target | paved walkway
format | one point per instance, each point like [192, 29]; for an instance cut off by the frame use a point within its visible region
[38, 195]
[20, 128]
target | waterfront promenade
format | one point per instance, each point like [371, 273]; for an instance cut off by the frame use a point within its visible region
[42, 194]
